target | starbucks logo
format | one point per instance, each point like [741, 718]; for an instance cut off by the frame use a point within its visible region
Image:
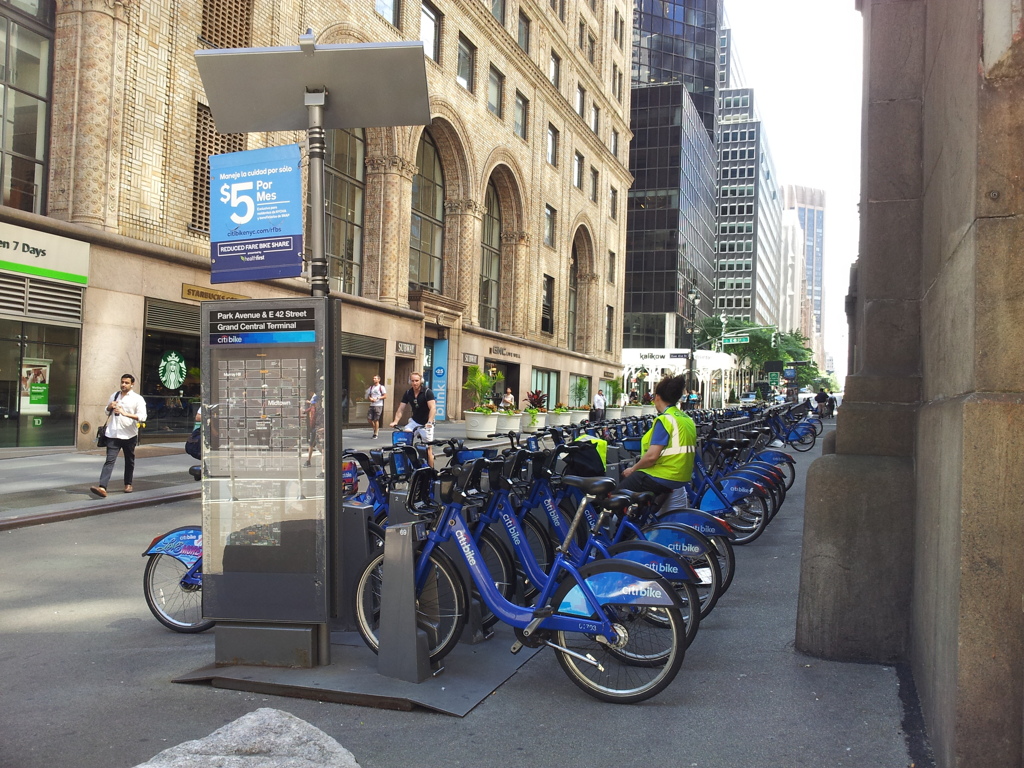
[171, 370]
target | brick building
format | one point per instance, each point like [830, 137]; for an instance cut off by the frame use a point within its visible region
[498, 228]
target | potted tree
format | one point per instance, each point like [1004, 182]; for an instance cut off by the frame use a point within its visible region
[614, 408]
[535, 413]
[482, 418]
[580, 394]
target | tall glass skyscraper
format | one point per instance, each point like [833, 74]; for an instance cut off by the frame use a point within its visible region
[671, 213]
[810, 207]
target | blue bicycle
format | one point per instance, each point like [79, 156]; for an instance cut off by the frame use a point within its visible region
[173, 580]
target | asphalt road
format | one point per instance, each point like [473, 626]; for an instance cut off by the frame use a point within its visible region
[86, 676]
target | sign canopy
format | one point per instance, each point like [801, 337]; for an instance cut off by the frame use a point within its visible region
[263, 89]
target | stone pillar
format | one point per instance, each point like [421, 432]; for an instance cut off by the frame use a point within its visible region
[88, 112]
[462, 221]
[386, 240]
[515, 248]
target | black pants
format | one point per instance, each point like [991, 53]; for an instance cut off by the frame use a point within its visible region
[115, 446]
[641, 481]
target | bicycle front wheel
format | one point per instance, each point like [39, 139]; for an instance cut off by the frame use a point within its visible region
[176, 605]
[804, 442]
[639, 663]
[440, 604]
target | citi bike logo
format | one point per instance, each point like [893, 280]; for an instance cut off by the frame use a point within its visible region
[660, 566]
[642, 591]
[513, 529]
[466, 549]
[549, 507]
[685, 548]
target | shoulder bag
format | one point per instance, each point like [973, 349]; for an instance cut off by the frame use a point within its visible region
[101, 433]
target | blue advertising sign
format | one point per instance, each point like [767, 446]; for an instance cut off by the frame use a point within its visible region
[789, 373]
[440, 382]
[256, 207]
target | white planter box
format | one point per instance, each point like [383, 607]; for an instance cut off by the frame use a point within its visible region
[559, 419]
[580, 416]
[480, 425]
[509, 422]
[632, 410]
[537, 424]
[613, 413]
[648, 410]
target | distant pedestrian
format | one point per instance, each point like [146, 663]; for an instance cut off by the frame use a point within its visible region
[376, 394]
[508, 400]
[598, 408]
[311, 410]
[830, 405]
[125, 411]
[821, 402]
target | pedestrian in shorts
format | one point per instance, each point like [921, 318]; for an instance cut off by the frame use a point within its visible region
[376, 394]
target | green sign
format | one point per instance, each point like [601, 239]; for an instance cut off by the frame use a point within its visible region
[39, 394]
[172, 370]
[737, 340]
[773, 379]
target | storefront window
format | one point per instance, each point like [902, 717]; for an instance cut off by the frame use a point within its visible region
[546, 382]
[38, 384]
[170, 384]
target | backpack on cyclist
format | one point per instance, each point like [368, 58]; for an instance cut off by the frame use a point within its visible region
[589, 459]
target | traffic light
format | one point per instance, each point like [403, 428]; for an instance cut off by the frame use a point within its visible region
[775, 338]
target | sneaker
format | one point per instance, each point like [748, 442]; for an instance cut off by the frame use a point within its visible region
[99, 490]
[374, 437]
[307, 464]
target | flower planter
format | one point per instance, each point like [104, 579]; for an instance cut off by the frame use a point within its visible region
[648, 410]
[556, 419]
[533, 422]
[612, 413]
[632, 410]
[480, 425]
[579, 416]
[509, 422]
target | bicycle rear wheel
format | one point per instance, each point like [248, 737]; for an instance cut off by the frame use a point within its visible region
[640, 662]
[440, 604]
[748, 518]
[176, 605]
[805, 441]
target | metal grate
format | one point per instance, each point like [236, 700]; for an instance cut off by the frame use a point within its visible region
[169, 316]
[208, 142]
[227, 23]
[363, 346]
[35, 298]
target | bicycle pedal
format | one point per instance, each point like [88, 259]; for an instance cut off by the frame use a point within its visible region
[516, 647]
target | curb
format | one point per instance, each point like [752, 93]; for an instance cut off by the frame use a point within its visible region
[97, 509]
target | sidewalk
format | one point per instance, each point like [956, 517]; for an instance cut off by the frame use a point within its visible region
[48, 488]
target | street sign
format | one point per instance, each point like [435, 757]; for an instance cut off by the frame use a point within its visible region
[737, 340]
[773, 379]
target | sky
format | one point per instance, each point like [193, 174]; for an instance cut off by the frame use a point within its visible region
[804, 60]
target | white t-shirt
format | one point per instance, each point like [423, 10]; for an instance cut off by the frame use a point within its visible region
[123, 427]
[375, 394]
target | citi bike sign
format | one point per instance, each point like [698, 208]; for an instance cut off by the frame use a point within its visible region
[256, 215]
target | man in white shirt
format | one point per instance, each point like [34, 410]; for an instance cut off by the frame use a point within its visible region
[598, 408]
[376, 393]
[125, 410]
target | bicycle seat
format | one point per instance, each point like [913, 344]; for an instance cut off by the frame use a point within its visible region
[592, 486]
[617, 502]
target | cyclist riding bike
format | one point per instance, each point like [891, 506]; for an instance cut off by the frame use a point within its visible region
[419, 401]
[667, 448]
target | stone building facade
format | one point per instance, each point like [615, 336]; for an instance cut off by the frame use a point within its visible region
[913, 534]
[527, 146]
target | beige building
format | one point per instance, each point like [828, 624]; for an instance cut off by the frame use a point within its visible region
[498, 228]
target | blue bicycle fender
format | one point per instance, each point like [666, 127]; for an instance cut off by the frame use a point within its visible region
[774, 457]
[733, 489]
[677, 538]
[664, 561]
[184, 544]
[700, 521]
[621, 588]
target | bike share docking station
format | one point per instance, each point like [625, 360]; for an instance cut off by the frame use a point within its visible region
[282, 550]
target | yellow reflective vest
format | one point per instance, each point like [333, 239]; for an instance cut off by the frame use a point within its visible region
[676, 460]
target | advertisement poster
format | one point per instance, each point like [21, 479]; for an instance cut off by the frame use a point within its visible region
[440, 379]
[35, 386]
[256, 205]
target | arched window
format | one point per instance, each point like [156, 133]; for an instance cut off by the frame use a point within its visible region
[573, 284]
[343, 192]
[490, 261]
[427, 231]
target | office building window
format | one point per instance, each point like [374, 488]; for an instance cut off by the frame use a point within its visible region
[558, 6]
[208, 142]
[547, 305]
[613, 144]
[495, 91]
[498, 11]
[426, 257]
[611, 266]
[344, 169]
[390, 10]
[490, 261]
[577, 170]
[552, 145]
[467, 63]
[595, 178]
[226, 23]
[609, 325]
[581, 101]
[522, 115]
[571, 296]
[591, 48]
[595, 118]
[523, 36]
[613, 203]
[555, 70]
[550, 215]
[618, 29]
[430, 30]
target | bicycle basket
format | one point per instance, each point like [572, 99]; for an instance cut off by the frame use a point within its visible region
[402, 438]
[467, 454]
[631, 444]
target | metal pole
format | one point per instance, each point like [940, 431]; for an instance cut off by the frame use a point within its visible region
[315, 101]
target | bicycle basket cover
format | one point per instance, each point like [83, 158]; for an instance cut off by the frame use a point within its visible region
[584, 461]
[402, 438]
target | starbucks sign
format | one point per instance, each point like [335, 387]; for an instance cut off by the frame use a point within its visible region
[171, 370]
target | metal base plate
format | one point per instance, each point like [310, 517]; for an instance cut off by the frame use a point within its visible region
[470, 674]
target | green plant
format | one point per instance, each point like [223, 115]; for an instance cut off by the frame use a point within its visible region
[482, 386]
[580, 391]
[536, 399]
[614, 387]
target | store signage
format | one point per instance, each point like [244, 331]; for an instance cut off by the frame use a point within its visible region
[405, 348]
[610, 375]
[199, 293]
[171, 369]
[503, 352]
[263, 326]
[469, 359]
[256, 206]
[35, 386]
[29, 252]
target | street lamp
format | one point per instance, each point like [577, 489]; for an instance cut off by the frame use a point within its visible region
[694, 297]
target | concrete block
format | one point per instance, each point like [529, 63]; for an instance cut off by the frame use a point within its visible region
[875, 429]
[892, 337]
[998, 342]
[868, 388]
[896, 46]
[891, 246]
[266, 738]
[892, 147]
[855, 572]
[947, 327]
